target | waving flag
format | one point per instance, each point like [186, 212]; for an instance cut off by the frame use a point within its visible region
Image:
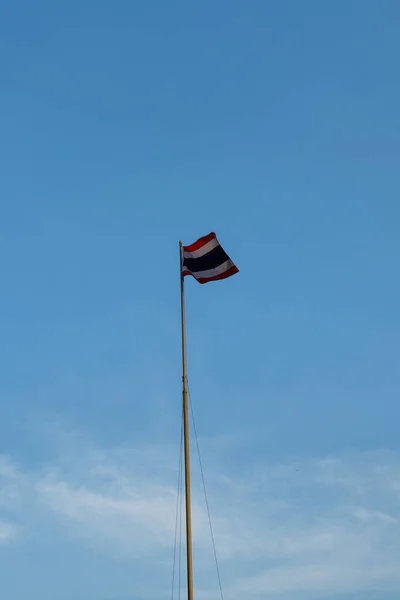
[206, 260]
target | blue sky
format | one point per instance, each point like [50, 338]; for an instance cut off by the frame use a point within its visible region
[125, 127]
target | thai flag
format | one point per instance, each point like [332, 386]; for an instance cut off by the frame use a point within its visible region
[206, 260]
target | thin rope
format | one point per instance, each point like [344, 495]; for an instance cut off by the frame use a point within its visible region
[178, 505]
[205, 495]
[180, 531]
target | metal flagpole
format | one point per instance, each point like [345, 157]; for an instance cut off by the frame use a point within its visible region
[186, 437]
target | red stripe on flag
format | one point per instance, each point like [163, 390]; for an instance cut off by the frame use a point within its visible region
[200, 243]
[232, 271]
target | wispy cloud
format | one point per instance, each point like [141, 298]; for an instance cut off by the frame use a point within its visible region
[8, 532]
[323, 526]
[335, 529]
[10, 484]
[117, 503]
[131, 517]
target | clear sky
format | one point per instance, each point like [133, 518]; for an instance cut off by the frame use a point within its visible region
[124, 127]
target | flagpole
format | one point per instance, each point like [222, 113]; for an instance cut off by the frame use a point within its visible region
[186, 437]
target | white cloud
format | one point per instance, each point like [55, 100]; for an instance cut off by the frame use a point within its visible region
[134, 511]
[337, 528]
[133, 519]
[314, 579]
[369, 515]
[330, 525]
[10, 483]
[8, 532]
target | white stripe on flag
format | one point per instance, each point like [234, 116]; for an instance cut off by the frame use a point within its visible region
[203, 250]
